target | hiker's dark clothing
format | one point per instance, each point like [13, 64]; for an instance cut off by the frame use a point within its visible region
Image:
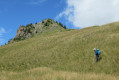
[96, 52]
[97, 56]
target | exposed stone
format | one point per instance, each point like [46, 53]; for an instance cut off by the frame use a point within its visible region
[29, 30]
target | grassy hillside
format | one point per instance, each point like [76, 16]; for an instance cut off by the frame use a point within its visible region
[44, 73]
[68, 51]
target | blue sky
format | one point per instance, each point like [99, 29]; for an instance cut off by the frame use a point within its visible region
[14, 13]
[72, 13]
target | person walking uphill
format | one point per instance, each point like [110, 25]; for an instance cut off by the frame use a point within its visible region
[97, 53]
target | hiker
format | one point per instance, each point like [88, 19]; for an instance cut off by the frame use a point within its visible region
[97, 53]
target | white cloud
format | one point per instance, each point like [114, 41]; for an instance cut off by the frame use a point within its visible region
[36, 2]
[84, 13]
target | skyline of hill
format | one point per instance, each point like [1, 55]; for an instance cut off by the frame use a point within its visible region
[63, 51]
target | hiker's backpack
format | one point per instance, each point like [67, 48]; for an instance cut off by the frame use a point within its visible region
[98, 51]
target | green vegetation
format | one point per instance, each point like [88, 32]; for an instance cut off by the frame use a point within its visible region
[48, 22]
[62, 25]
[17, 39]
[29, 25]
[36, 23]
[43, 21]
[68, 54]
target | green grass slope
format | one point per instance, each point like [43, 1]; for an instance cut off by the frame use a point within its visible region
[69, 51]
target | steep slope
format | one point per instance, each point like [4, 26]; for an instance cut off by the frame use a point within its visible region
[69, 50]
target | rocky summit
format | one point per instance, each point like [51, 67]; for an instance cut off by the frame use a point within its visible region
[44, 26]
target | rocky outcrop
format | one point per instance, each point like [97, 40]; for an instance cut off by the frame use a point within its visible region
[29, 30]
[24, 32]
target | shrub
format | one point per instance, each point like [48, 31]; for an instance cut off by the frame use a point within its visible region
[64, 27]
[17, 39]
[43, 21]
[29, 30]
[50, 21]
[56, 22]
[9, 41]
[47, 24]
[36, 23]
[60, 24]
[29, 25]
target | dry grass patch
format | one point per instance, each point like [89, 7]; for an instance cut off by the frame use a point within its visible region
[50, 74]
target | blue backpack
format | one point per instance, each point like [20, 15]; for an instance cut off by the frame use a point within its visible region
[98, 52]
